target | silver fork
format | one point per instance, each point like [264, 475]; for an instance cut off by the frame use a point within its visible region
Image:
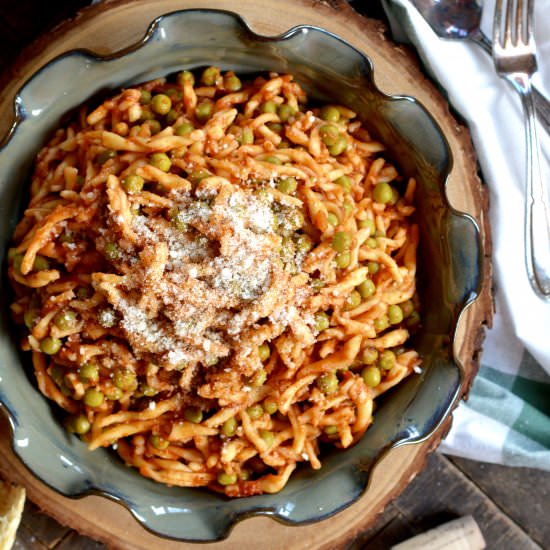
[514, 57]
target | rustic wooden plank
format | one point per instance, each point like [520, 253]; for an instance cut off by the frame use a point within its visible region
[74, 541]
[390, 528]
[42, 527]
[522, 493]
[27, 541]
[443, 492]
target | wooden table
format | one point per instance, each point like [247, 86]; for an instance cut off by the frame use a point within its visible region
[507, 503]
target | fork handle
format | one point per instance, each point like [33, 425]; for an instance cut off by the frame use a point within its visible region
[542, 103]
[537, 218]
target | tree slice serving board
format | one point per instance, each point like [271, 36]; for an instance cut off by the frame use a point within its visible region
[116, 24]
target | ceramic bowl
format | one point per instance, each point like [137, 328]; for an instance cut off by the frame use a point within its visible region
[449, 268]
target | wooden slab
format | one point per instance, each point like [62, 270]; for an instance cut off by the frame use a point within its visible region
[115, 24]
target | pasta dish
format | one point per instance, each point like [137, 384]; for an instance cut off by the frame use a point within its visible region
[216, 278]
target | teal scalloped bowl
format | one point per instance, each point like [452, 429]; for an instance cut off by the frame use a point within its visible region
[449, 268]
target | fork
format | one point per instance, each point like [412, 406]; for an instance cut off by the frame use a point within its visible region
[514, 58]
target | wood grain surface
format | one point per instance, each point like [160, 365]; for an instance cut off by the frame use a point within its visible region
[116, 24]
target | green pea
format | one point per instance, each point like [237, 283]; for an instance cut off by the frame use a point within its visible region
[244, 475]
[114, 394]
[275, 127]
[382, 193]
[247, 137]
[184, 128]
[229, 426]
[283, 144]
[161, 161]
[185, 76]
[407, 308]
[211, 360]
[80, 424]
[161, 104]
[198, 175]
[413, 319]
[264, 352]
[395, 314]
[268, 107]
[40, 263]
[227, 479]
[381, 323]
[343, 259]
[387, 360]
[154, 126]
[17, 261]
[125, 379]
[178, 219]
[328, 383]
[89, 372]
[367, 288]
[193, 414]
[371, 242]
[255, 411]
[258, 379]
[330, 430]
[316, 284]
[371, 376]
[146, 114]
[373, 267]
[369, 356]
[321, 321]
[133, 183]
[66, 237]
[104, 156]
[172, 93]
[159, 442]
[352, 301]
[339, 147]
[204, 111]
[84, 292]
[332, 219]
[268, 437]
[210, 76]
[329, 134]
[65, 320]
[348, 209]
[57, 372]
[50, 345]
[270, 406]
[345, 183]
[93, 397]
[232, 83]
[112, 252]
[341, 241]
[272, 159]
[145, 97]
[304, 243]
[330, 113]
[148, 391]
[285, 111]
[287, 185]
[368, 224]
[30, 317]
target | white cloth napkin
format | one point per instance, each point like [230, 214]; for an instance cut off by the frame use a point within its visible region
[507, 418]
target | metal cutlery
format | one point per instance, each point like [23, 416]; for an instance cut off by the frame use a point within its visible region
[514, 57]
[461, 19]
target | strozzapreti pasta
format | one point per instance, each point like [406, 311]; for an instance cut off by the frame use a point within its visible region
[217, 278]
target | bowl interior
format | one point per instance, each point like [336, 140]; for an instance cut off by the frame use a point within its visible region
[329, 69]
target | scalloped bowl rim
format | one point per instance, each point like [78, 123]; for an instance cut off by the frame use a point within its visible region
[153, 28]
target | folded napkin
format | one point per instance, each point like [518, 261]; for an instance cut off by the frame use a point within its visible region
[506, 419]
